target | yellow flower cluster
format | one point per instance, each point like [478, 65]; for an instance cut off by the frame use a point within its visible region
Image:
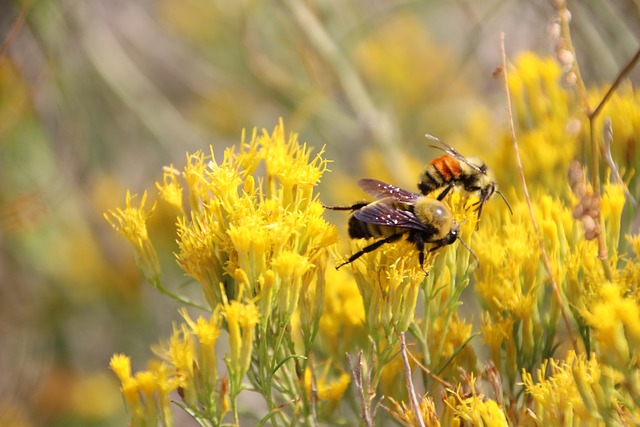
[264, 236]
[580, 391]
[146, 393]
[251, 233]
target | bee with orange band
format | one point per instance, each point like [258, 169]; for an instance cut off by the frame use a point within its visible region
[454, 170]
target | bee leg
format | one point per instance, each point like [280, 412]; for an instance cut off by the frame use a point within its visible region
[445, 191]
[437, 246]
[353, 207]
[420, 246]
[371, 247]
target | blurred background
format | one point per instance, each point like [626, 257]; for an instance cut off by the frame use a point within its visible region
[97, 95]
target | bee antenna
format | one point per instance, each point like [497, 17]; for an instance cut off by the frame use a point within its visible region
[505, 200]
[470, 250]
[433, 138]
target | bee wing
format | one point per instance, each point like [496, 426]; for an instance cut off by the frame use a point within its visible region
[381, 190]
[383, 212]
[453, 153]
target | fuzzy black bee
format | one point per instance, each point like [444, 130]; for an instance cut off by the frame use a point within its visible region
[397, 213]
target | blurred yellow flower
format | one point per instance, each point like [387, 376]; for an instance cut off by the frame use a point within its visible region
[342, 321]
[329, 390]
[615, 320]
[147, 393]
[131, 222]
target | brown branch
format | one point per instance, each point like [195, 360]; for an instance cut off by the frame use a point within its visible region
[430, 373]
[602, 248]
[545, 257]
[621, 75]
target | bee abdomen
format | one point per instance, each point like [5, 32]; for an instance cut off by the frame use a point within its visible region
[361, 230]
[358, 229]
[439, 173]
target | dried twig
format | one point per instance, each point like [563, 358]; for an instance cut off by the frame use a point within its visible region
[428, 371]
[410, 388]
[358, 380]
[621, 75]
[608, 158]
[545, 258]
[595, 175]
[566, 44]
[15, 28]
[314, 394]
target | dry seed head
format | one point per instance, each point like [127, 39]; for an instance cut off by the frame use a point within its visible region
[588, 207]
[565, 57]
[570, 79]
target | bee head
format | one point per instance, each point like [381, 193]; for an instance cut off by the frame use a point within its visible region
[452, 235]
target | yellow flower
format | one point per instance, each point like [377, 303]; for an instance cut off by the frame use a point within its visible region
[120, 364]
[578, 390]
[243, 227]
[406, 416]
[495, 331]
[170, 189]
[342, 322]
[330, 390]
[241, 321]
[476, 410]
[131, 222]
[290, 268]
[180, 353]
[458, 331]
[206, 333]
[616, 323]
[389, 281]
[147, 393]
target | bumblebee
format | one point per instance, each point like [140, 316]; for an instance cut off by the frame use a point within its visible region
[397, 213]
[453, 169]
